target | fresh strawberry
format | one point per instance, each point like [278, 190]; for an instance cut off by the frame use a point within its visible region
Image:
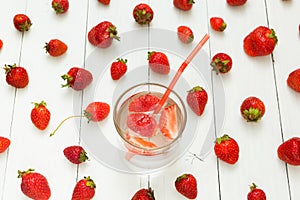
[221, 62]
[227, 149]
[168, 122]
[1, 44]
[95, 111]
[34, 185]
[16, 76]
[141, 123]
[105, 2]
[56, 47]
[158, 62]
[77, 78]
[183, 4]
[185, 34]
[143, 13]
[186, 184]
[60, 6]
[252, 109]
[289, 151]
[260, 42]
[236, 2]
[144, 194]
[118, 68]
[103, 34]
[218, 24]
[84, 189]
[293, 80]
[143, 103]
[197, 99]
[4, 144]
[256, 193]
[40, 115]
[22, 22]
[75, 154]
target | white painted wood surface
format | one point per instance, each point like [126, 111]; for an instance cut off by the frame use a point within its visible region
[264, 77]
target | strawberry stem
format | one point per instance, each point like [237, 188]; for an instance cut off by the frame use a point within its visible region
[61, 123]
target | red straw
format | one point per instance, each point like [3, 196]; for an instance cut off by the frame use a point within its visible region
[179, 72]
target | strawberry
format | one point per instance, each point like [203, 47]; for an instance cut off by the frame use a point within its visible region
[289, 151]
[84, 189]
[252, 109]
[183, 4]
[22, 22]
[143, 13]
[1, 44]
[197, 99]
[185, 34]
[105, 2]
[60, 6]
[95, 111]
[293, 80]
[227, 149]
[144, 194]
[77, 78]
[16, 76]
[218, 24]
[40, 115]
[55, 47]
[221, 62]
[103, 34]
[256, 193]
[75, 154]
[158, 62]
[141, 123]
[4, 144]
[168, 122]
[186, 184]
[138, 141]
[34, 185]
[236, 2]
[118, 68]
[143, 103]
[260, 42]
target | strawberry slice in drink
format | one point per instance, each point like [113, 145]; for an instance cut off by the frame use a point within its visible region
[143, 103]
[140, 145]
[168, 122]
[141, 123]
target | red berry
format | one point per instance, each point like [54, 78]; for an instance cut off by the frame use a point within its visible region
[144, 194]
[118, 68]
[84, 189]
[16, 76]
[218, 24]
[97, 111]
[158, 62]
[227, 149]
[104, 2]
[143, 103]
[60, 6]
[252, 109]
[186, 184]
[143, 13]
[185, 34]
[221, 62]
[289, 151]
[141, 123]
[256, 193]
[236, 2]
[197, 99]
[77, 78]
[4, 144]
[184, 5]
[75, 154]
[1, 44]
[293, 80]
[22, 22]
[56, 47]
[40, 115]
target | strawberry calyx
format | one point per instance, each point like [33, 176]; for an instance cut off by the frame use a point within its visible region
[150, 53]
[196, 89]
[113, 32]
[88, 115]
[89, 182]
[273, 35]
[25, 26]
[223, 138]
[150, 193]
[67, 78]
[122, 60]
[142, 16]
[42, 103]
[23, 173]
[47, 47]
[253, 114]
[58, 8]
[183, 176]
[191, 2]
[219, 65]
[253, 187]
[8, 68]
[83, 156]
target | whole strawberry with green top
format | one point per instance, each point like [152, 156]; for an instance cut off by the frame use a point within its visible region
[60, 6]
[40, 115]
[184, 5]
[22, 22]
[252, 109]
[256, 193]
[218, 24]
[260, 42]
[197, 99]
[185, 34]
[102, 34]
[186, 184]
[34, 185]
[16, 76]
[144, 194]
[77, 78]
[158, 62]
[143, 13]
[227, 149]
[56, 47]
[84, 189]
[75, 154]
[289, 151]
[221, 62]
[118, 68]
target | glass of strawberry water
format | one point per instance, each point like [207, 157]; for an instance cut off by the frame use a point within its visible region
[142, 131]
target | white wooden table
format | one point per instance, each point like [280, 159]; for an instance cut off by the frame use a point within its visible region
[264, 77]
